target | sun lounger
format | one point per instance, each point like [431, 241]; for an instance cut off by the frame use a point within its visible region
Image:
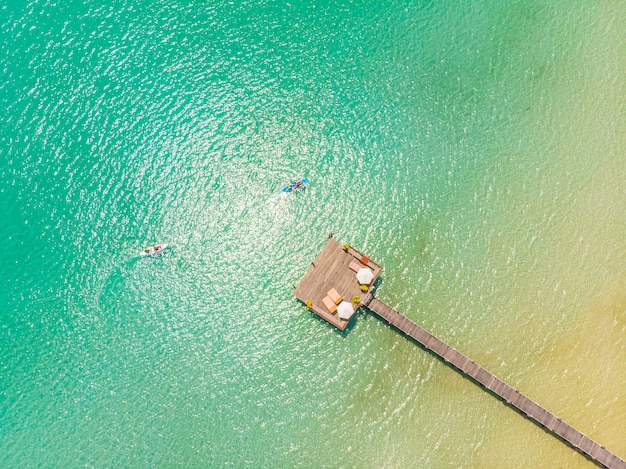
[330, 304]
[355, 266]
[335, 296]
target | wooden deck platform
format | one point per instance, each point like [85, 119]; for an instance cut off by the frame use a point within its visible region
[331, 269]
[335, 268]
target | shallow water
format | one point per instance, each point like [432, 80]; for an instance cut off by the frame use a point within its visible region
[476, 152]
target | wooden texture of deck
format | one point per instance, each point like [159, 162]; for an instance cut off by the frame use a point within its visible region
[528, 407]
[331, 269]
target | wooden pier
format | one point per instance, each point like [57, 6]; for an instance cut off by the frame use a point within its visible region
[516, 399]
[334, 268]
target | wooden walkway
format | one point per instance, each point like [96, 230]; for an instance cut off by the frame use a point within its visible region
[528, 407]
[332, 276]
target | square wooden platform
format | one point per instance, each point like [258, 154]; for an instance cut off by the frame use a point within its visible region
[331, 269]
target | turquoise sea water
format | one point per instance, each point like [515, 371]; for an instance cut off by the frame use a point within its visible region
[475, 150]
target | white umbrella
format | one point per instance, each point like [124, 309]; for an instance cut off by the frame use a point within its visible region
[345, 310]
[365, 276]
